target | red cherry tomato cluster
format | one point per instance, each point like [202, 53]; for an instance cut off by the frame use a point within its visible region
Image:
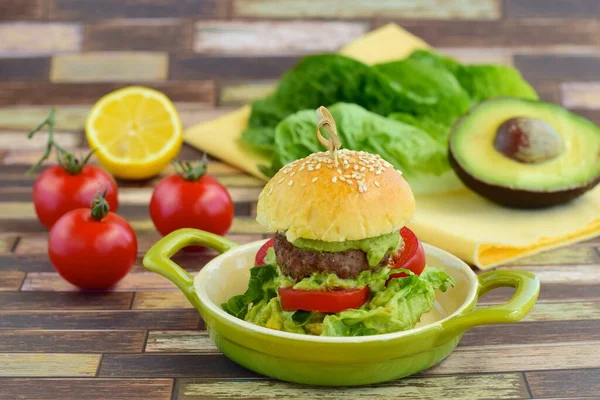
[91, 246]
[412, 257]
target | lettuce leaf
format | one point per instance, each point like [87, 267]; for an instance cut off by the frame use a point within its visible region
[446, 98]
[408, 148]
[392, 308]
[324, 80]
[488, 81]
[396, 308]
[426, 90]
[437, 130]
[262, 287]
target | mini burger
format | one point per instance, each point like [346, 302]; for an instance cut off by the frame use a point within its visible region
[341, 261]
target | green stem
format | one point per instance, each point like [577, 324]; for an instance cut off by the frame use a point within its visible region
[100, 207]
[191, 170]
[69, 161]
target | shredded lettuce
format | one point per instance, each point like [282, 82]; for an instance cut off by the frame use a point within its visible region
[392, 308]
[396, 308]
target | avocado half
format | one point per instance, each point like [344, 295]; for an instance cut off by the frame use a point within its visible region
[525, 153]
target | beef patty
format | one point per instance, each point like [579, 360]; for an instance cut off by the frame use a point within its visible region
[300, 263]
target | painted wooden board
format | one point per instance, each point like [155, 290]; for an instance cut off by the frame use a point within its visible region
[94, 389]
[48, 365]
[505, 386]
[71, 341]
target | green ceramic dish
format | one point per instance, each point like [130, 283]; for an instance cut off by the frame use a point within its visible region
[336, 361]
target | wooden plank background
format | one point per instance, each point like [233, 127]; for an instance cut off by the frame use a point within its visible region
[143, 340]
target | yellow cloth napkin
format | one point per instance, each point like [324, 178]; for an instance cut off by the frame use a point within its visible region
[461, 222]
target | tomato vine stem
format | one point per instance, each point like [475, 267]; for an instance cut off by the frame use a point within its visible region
[191, 170]
[67, 160]
[99, 207]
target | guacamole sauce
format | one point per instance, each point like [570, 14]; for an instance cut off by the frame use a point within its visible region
[375, 247]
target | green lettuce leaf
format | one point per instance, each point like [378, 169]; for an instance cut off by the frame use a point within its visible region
[261, 139]
[446, 98]
[488, 81]
[396, 308]
[324, 80]
[437, 130]
[409, 149]
[262, 287]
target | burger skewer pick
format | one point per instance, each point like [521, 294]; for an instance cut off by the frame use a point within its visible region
[341, 262]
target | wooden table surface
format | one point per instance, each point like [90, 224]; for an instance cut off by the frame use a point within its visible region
[143, 340]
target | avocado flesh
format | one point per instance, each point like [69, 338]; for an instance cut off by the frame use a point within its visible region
[506, 181]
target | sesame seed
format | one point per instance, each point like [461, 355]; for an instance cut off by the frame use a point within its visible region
[362, 169]
[290, 183]
[281, 180]
[334, 179]
[356, 167]
[270, 190]
[286, 170]
[318, 166]
[349, 181]
[342, 179]
[339, 171]
[314, 179]
[310, 167]
[376, 183]
[378, 172]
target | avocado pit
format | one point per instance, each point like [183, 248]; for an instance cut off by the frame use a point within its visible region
[528, 140]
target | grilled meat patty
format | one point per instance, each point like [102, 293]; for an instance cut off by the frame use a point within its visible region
[300, 263]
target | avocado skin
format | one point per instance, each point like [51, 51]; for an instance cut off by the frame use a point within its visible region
[518, 198]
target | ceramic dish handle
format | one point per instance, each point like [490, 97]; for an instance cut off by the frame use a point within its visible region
[158, 258]
[527, 289]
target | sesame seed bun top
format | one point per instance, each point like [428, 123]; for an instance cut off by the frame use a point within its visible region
[312, 198]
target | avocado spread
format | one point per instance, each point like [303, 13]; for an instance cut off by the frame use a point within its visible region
[375, 247]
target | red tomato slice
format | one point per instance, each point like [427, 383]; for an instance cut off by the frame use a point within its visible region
[332, 301]
[262, 252]
[412, 256]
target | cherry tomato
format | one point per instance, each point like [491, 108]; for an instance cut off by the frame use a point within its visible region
[92, 249]
[191, 199]
[327, 301]
[57, 191]
[71, 184]
[412, 256]
[262, 252]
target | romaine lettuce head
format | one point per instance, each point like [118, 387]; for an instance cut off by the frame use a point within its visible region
[426, 91]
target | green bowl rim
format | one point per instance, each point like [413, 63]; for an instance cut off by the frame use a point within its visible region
[217, 311]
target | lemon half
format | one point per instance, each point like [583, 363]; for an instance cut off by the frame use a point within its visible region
[136, 132]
